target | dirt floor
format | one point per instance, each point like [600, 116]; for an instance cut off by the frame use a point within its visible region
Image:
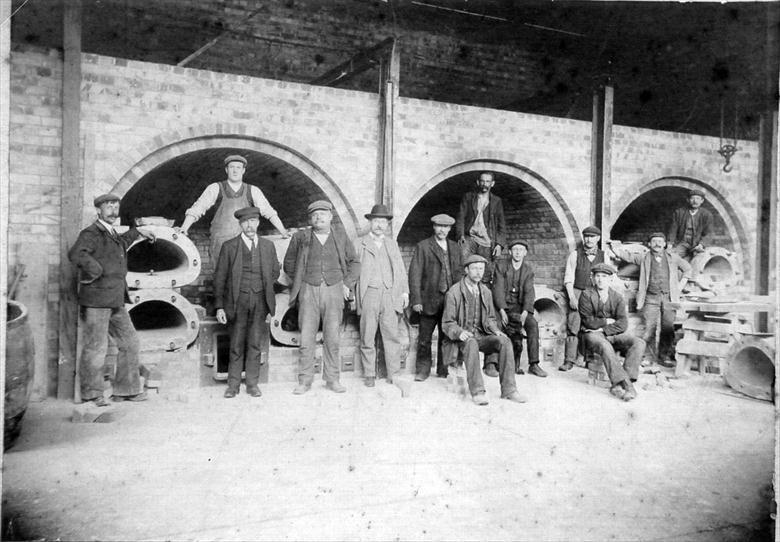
[692, 462]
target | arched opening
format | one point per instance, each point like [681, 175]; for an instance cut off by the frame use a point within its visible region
[529, 214]
[652, 211]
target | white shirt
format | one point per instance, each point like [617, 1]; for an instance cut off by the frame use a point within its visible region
[108, 227]
[322, 237]
[377, 239]
[442, 244]
[209, 197]
[250, 243]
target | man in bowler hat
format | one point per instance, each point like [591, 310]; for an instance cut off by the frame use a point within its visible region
[244, 297]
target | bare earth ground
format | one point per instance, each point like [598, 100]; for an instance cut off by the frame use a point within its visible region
[574, 463]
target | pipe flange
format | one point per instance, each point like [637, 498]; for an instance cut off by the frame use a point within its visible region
[749, 367]
[171, 261]
[163, 319]
[550, 311]
[717, 269]
[284, 323]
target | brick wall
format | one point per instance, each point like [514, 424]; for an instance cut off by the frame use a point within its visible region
[133, 110]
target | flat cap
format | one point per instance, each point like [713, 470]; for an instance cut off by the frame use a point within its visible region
[379, 211]
[319, 205]
[518, 242]
[247, 212]
[474, 258]
[235, 158]
[657, 234]
[443, 220]
[591, 230]
[602, 268]
[103, 198]
[696, 193]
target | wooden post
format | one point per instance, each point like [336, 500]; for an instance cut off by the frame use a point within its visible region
[767, 209]
[72, 196]
[601, 160]
[388, 92]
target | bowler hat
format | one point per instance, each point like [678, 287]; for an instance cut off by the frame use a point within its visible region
[474, 258]
[235, 158]
[518, 242]
[591, 230]
[319, 205]
[696, 193]
[104, 198]
[602, 268]
[443, 220]
[379, 211]
[247, 212]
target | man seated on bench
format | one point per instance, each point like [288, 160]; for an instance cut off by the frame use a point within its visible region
[604, 331]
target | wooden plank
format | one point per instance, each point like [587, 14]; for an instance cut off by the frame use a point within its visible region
[724, 308]
[390, 74]
[5, 181]
[601, 158]
[71, 195]
[704, 325]
[703, 348]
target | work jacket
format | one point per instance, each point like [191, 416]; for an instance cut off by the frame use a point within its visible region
[453, 320]
[227, 277]
[428, 264]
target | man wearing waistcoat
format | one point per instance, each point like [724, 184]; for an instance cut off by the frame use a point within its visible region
[480, 225]
[605, 331]
[690, 229]
[100, 255]
[659, 287]
[514, 296]
[381, 295]
[470, 326]
[244, 297]
[576, 279]
[232, 194]
[322, 264]
[435, 267]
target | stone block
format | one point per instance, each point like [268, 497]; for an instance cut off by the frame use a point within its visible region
[90, 413]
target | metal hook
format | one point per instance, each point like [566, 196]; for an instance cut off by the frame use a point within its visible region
[727, 151]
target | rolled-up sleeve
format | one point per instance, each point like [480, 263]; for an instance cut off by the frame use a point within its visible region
[571, 265]
[206, 200]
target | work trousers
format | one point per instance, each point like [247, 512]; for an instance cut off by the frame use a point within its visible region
[99, 325]
[685, 250]
[489, 344]
[428, 322]
[657, 308]
[320, 304]
[249, 338]
[378, 312]
[572, 330]
[633, 348]
[514, 330]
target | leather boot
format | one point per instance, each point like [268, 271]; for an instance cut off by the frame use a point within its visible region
[570, 351]
[304, 385]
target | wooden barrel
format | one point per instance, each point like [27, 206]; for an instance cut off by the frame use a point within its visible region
[19, 370]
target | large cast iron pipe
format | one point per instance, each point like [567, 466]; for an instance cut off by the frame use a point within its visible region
[164, 319]
[171, 261]
[716, 269]
[550, 312]
[750, 367]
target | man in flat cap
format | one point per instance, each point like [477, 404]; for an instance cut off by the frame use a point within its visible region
[662, 276]
[229, 196]
[247, 268]
[100, 255]
[605, 331]
[480, 225]
[435, 267]
[322, 264]
[470, 326]
[514, 296]
[576, 279]
[381, 295]
[690, 229]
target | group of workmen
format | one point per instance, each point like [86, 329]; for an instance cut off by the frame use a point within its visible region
[478, 300]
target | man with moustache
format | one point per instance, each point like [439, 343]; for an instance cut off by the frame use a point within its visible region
[322, 264]
[659, 288]
[100, 255]
[690, 228]
[470, 326]
[230, 195]
[480, 225]
[435, 267]
[244, 297]
[605, 331]
[381, 295]
[576, 279]
[513, 294]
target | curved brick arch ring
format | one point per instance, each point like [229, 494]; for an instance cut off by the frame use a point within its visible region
[167, 151]
[538, 183]
[719, 202]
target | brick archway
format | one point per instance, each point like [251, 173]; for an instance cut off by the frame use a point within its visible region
[721, 204]
[167, 147]
[525, 175]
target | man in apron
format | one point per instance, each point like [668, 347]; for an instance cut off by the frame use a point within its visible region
[230, 195]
